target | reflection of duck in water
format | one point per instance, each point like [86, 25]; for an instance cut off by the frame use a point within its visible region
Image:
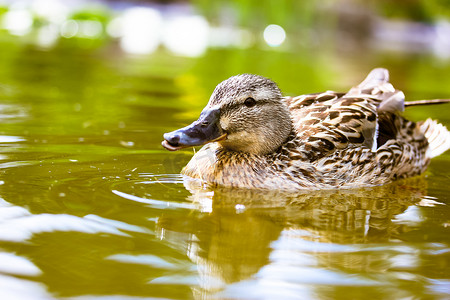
[230, 244]
[258, 139]
[337, 216]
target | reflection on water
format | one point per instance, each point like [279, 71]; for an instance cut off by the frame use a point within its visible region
[255, 244]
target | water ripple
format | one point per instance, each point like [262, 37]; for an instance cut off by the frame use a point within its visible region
[17, 265]
[19, 225]
[156, 203]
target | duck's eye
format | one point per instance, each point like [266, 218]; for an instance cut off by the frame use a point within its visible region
[250, 102]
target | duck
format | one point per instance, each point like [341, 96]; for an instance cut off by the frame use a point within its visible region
[253, 137]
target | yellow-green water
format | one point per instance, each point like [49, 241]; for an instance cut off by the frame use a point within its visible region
[92, 206]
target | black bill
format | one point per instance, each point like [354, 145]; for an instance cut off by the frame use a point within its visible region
[205, 130]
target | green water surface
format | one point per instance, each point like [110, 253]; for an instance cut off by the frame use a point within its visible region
[91, 206]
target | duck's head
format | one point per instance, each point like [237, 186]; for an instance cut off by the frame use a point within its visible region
[245, 113]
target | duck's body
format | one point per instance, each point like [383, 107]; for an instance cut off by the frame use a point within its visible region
[332, 140]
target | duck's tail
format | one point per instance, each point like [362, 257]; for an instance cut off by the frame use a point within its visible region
[437, 135]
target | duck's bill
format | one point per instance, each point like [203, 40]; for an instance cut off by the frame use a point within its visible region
[171, 147]
[205, 130]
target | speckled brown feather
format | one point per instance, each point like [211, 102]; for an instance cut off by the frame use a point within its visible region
[338, 141]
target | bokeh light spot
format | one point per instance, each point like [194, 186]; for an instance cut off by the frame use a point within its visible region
[187, 35]
[18, 22]
[274, 35]
[141, 30]
[69, 29]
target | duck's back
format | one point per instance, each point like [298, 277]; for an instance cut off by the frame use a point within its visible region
[360, 138]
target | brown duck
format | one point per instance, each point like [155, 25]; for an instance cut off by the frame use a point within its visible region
[256, 138]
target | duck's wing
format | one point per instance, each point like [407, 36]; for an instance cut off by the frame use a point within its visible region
[377, 89]
[330, 121]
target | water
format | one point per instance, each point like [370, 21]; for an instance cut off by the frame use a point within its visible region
[91, 206]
